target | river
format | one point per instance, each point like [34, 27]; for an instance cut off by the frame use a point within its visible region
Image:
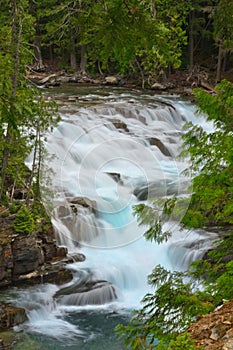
[113, 148]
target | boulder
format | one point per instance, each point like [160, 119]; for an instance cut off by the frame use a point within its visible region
[11, 316]
[84, 202]
[119, 124]
[87, 291]
[115, 176]
[156, 142]
[158, 86]
[111, 80]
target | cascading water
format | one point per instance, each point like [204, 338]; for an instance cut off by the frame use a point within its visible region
[112, 149]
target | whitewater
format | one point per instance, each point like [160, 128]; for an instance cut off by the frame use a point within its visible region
[113, 149]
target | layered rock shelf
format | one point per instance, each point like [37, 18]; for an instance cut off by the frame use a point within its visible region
[28, 257]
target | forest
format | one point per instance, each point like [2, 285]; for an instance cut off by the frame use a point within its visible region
[144, 41]
[150, 37]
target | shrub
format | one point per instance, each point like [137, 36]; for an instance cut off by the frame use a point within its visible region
[24, 222]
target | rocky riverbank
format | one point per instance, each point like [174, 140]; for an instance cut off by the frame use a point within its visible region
[214, 331]
[180, 82]
[30, 257]
[26, 259]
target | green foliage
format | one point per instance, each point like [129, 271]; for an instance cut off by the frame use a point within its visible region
[223, 26]
[159, 211]
[193, 219]
[23, 222]
[222, 249]
[181, 342]
[217, 271]
[24, 114]
[14, 207]
[40, 216]
[153, 216]
[211, 155]
[222, 288]
[148, 35]
[157, 44]
[165, 313]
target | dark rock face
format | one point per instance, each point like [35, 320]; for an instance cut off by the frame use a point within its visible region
[6, 262]
[27, 255]
[31, 258]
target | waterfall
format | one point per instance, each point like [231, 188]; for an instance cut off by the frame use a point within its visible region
[111, 150]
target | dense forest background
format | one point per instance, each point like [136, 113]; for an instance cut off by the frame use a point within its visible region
[139, 38]
[135, 37]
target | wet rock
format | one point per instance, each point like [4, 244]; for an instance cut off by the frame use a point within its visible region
[95, 293]
[11, 316]
[27, 254]
[6, 261]
[84, 202]
[30, 258]
[119, 124]
[115, 176]
[156, 142]
[75, 257]
[50, 251]
[158, 86]
[61, 252]
[87, 291]
[55, 272]
[150, 190]
[111, 80]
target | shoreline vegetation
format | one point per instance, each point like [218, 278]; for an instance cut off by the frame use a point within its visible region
[180, 82]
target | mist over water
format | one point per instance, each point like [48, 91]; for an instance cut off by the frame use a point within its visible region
[113, 149]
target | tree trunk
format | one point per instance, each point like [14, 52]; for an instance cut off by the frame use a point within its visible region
[219, 63]
[73, 59]
[15, 50]
[33, 170]
[37, 51]
[5, 158]
[83, 61]
[224, 63]
[99, 68]
[191, 41]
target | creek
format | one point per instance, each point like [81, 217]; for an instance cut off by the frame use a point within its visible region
[113, 148]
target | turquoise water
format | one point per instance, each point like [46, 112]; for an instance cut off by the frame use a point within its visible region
[98, 335]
